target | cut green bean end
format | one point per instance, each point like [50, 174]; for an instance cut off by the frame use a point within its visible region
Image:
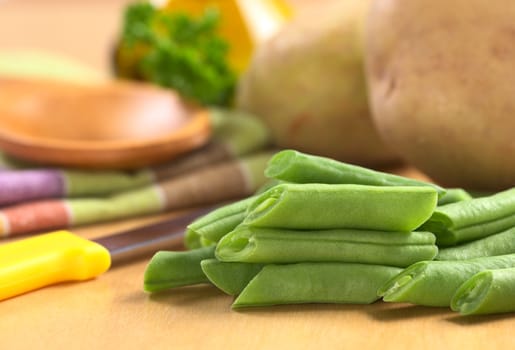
[192, 239]
[232, 247]
[262, 206]
[398, 287]
[170, 269]
[276, 166]
[469, 296]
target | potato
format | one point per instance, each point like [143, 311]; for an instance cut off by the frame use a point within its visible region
[442, 87]
[307, 83]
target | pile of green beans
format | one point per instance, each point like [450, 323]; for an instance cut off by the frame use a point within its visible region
[475, 264]
[310, 235]
[318, 242]
[329, 232]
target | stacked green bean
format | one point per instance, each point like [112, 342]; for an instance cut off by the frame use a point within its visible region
[327, 231]
[475, 267]
[311, 242]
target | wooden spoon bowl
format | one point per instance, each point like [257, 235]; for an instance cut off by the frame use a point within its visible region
[107, 125]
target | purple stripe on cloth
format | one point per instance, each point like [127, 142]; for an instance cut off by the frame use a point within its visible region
[23, 185]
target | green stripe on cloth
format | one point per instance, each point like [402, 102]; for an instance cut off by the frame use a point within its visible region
[44, 64]
[147, 200]
[91, 183]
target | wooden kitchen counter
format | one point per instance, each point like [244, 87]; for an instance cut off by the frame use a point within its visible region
[113, 312]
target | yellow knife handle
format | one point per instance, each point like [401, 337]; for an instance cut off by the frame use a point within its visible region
[47, 259]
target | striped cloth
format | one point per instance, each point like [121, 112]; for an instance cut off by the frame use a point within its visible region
[231, 166]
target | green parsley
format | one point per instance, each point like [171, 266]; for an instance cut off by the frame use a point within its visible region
[178, 51]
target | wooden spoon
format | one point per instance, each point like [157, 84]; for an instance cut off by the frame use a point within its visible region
[106, 125]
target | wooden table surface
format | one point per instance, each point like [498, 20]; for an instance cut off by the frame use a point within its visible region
[113, 312]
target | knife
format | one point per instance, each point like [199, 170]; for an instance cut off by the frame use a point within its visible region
[62, 256]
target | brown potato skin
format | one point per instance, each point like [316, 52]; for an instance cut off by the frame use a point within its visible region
[442, 87]
[307, 84]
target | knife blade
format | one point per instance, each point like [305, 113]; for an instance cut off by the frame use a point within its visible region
[61, 256]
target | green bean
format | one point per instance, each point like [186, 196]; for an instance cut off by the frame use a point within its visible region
[449, 237]
[433, 283]
[192, 240]
[230, 277]
[473, 219]
[322, 206]
[294, 166]
[216, 230]
[174, 269]
[477, 194]
[454, 195]
[268, 185]
[315, 283]
[265, 245]
[487, 292]
[220, 221]
[498, 244]
[204, 242]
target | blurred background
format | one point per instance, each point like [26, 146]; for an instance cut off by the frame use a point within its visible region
[83, 29]
[340, 79]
